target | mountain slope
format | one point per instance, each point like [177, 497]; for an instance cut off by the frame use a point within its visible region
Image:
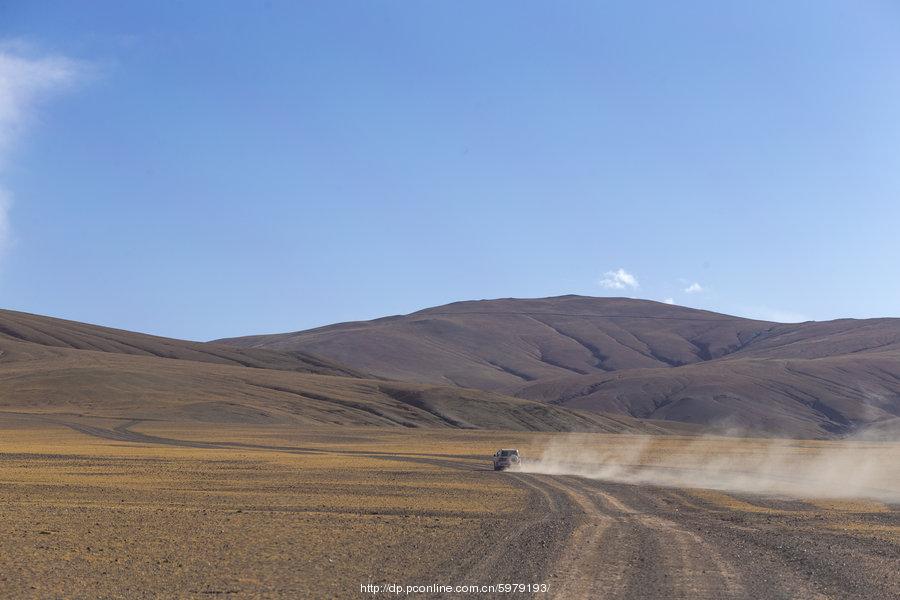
[635, 357]
[24, 335]
[807, 397]
[499, 344]
[65, 372]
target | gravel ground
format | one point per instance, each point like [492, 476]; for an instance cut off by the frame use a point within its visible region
[101, 511]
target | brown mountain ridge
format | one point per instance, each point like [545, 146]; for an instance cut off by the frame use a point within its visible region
[71, 373]
[639, 358]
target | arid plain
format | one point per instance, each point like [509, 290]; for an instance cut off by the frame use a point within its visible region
[133, 466]
[119, 508]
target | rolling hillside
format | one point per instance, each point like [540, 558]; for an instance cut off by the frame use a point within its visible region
[501, 344]
[25, 335]
[65, 372]
[635, 357]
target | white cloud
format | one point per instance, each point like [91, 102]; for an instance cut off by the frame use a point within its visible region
[24, 82]
[668, 300]
[694, 288]
[619, 280]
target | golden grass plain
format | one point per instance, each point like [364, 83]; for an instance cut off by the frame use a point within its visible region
[283, 512]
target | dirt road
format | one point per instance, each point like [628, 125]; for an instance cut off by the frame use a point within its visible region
[626, 541]
[183, 512]
[596, 539]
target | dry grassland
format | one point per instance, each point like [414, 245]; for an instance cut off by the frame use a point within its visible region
[265, 511]
[84, 516]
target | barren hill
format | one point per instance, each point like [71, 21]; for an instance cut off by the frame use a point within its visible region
[26, 335]
[636, 357]
[500, 344]
[65, 372]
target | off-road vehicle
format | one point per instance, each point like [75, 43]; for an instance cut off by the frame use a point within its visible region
[504, 459]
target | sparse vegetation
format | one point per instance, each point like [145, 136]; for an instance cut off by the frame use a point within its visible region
[282, 511]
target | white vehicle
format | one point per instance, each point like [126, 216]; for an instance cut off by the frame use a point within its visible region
[504, 459]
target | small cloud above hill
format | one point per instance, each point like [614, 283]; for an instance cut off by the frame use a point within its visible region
[619, 279]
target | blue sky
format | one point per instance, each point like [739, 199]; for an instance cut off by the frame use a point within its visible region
[201, 170]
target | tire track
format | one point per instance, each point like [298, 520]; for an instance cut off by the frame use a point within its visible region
[526, 553]
[595, 539]
[698, 551]
[589, 559]
[806, 556]
[620, 552]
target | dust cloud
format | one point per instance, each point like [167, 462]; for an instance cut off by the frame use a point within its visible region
[785, 468]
